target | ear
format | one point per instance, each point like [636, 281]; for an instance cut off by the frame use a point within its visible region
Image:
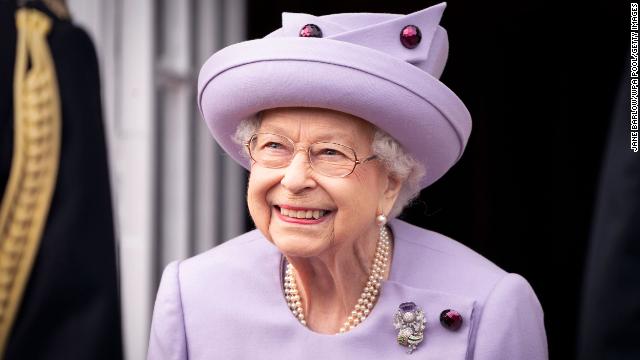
[391, 192]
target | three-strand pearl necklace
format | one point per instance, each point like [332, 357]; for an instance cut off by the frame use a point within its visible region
[367, 298]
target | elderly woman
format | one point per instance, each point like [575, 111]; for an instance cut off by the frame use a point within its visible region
[341, 120]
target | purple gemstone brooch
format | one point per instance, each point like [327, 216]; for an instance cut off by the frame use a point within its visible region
[410, 322]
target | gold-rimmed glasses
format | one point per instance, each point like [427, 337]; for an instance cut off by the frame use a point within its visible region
[327, 158]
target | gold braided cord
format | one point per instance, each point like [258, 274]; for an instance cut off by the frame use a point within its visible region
[34, 166]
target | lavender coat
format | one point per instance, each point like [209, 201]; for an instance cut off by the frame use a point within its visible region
[228, 303]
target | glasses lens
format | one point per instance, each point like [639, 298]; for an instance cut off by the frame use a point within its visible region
[332, 159]
[270, 150]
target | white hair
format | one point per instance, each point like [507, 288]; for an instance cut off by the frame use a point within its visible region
[395, 159]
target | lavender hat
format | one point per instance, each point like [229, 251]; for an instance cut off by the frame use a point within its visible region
[383, 68]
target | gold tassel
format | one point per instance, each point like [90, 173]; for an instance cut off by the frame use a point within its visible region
[34, 168]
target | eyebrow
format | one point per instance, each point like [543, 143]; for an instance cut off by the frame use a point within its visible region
[330, 136]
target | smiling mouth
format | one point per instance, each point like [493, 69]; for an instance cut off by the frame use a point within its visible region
[303, 214]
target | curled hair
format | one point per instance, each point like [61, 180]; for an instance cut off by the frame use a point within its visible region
[400, 165]
[395, 159]
[245, 129]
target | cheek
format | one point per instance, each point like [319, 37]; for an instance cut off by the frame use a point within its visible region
[357, 204]
[258, 205]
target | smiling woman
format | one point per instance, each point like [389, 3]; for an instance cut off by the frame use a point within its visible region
[336, 146]
[340, 245]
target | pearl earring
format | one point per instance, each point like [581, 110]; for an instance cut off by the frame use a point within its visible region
[381, 220]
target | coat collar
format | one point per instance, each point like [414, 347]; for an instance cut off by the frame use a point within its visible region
[397, 290]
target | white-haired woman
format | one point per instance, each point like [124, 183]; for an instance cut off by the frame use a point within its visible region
[340, 127]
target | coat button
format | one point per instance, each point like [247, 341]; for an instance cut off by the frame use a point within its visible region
[451, 319]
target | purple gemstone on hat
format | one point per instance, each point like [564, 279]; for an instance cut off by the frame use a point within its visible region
[451, 319]
[408, 306]
[410, 36]
[310, 30]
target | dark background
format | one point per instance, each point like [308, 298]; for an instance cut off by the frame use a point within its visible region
[540, 80]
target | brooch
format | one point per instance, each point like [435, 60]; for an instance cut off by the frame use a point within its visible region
[410, 322]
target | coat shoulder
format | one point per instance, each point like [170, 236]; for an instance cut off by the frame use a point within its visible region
[247, 244]
[507, 320]
[245, 256]
[427, 259]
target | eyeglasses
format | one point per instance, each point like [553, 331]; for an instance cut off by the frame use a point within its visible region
[330, 159]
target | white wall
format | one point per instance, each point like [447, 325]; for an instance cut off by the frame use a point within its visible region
[170, 182]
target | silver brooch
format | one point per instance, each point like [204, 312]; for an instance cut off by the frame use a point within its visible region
[410, 322]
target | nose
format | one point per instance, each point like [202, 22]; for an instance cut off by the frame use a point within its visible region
[297, 176]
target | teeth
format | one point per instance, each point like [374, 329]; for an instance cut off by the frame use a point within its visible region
[303, 214]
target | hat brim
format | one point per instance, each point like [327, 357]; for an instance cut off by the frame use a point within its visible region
[415, 108]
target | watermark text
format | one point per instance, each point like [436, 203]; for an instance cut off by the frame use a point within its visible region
[633, 81]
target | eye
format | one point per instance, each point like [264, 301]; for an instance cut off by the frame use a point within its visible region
[275, 148]
[330, 152]
[273, 145]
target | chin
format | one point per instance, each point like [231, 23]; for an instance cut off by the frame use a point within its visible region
[299, 244]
